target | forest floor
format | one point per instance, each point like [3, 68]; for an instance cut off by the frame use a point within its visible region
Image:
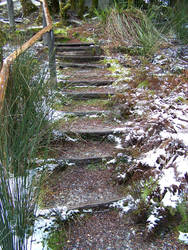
[143, 135]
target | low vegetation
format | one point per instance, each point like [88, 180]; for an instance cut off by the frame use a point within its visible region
[145, 29]
[23, 133]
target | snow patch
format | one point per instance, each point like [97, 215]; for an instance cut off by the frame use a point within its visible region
[168, 179]
[150, 158]
[170, 199]
[122, 176]
[121, 204]
[111, 161]
[182, 165]
[183, 237]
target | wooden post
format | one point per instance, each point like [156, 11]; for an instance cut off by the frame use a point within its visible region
[48, 39]
[10, 8]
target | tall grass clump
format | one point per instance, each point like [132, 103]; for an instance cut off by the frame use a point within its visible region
[23, 132]
[131, 27]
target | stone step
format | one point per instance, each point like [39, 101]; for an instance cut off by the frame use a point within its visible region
[60, 48]
[87, 95]
[88, 83]
[77, 50]
[80, 186]
[79, 58]
[82, 66]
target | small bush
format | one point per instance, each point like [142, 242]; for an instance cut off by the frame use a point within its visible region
[131, 27]
[182, 209]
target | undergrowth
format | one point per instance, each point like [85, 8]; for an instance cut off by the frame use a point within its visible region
[23, 132]
[144, 29]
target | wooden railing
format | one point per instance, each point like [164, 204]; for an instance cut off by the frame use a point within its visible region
[4, 74]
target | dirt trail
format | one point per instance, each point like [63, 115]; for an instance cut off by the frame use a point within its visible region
[91, 152]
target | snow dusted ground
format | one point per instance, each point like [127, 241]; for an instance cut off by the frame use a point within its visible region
[157, 129]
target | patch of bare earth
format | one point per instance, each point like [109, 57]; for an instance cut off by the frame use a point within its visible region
[90, 90]
[87, 124]
[77, 106]
[109, 230]
[77, 186]
[83, 149]
[87, 74]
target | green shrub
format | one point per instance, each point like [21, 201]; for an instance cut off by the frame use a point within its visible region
[168, 19]
[183, 211]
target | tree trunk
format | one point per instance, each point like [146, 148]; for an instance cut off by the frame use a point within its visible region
[27, 7]
[10, 8]
[94, 4]
[81, 9]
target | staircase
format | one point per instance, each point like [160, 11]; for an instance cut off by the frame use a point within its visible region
[88, 129]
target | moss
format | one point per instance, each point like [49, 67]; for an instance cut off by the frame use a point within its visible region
[143, 84]
[61, 31]
[96, 166]
[132, 51]
[56, 239]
